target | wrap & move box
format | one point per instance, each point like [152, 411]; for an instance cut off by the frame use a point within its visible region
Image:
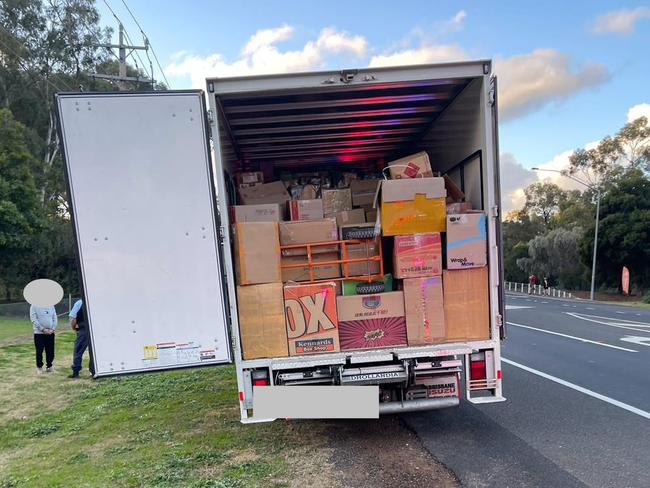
[346, 217]
[467, 311]
[324, 272]
[308, 231]
[335, 201]
[311, 318]
[425, 315]
[413, 206]
[266, 193]
[363, 192]
[466, 240]
[261, 321]
[248, 179]
[413, 166]
[306, 209]
[257, 260]
[371, 321]
[269, 212]
[417, 255]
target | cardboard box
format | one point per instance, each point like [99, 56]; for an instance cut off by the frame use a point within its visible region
[417, 255]
[257, 252]
[261, 321]
[371, 215]
[306, 209]
[363, 192]
[460, 207]
[413, 166]
[335, 201]
[466, 240]
[307, 231]
[371, 321]
[266, 193]
[467, 311]
[356, 216]
[311, 318]
[412, 206]
[301, 273]
[365, 249]
[454, 193]
[270, 212]
[308, 193]
[359, 231]
[425, 314]
[245, 180]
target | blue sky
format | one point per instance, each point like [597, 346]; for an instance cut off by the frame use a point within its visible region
[569, 71]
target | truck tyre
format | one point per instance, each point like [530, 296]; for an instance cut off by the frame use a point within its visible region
[371, 288]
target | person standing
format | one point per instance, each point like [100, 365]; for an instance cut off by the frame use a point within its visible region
[532, 281]
[44, 322]
[78, 324]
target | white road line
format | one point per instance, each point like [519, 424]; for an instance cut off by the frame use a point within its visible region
[618, 323]
[572, 337]
[516, 307]
[611, 401]
[620, 312]
[590, 308]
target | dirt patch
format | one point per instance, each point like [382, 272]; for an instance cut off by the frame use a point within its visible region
[384, 452]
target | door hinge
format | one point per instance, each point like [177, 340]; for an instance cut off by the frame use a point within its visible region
[210, 116]
[495, 211]
[499, 319]
[491, 97]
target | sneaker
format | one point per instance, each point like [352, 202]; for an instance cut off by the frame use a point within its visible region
[74, 376]
[50, 369]
[39, 370]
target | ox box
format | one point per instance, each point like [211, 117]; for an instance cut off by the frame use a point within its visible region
[417, 255]
[311, 318]
[466, 240]
[372, 321]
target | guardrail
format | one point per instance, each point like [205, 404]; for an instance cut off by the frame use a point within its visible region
[536, 290]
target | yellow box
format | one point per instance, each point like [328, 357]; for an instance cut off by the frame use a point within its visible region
[415, 216]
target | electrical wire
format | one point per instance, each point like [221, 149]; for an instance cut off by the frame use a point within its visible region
[153, 51]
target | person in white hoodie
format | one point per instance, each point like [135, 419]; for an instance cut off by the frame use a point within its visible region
[44, 322]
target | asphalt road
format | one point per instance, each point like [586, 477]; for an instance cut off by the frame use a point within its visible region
[585, 421]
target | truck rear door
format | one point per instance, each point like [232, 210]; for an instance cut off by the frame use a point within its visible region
[143, 207]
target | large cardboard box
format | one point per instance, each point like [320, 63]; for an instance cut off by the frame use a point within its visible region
[257, 253]
[270, 212]
[363, 192]
[425, 314]
[261, 321]
[306, 209]
[371, 321]
[308, 231]
[356, 216]
[466, 240]
[252, 178]
[371, 215]
[311, 318]
[417, 255]
[366, 249]
[335, 201]
[266, 193]
[467, 312]
[413, 166]
[413, 206]
[301, 273]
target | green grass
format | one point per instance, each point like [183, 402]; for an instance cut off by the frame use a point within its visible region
[172, 429]
[12, 329]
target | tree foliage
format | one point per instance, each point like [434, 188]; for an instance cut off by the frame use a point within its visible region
[544, 199]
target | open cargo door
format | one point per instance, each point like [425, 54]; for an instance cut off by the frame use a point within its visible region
[143, 205]
[497, 197]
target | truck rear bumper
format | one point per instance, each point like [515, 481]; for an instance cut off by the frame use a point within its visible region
[418, 405]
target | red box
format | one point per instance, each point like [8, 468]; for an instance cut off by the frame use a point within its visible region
[417, 255]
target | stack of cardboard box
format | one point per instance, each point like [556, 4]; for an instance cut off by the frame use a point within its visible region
[289, 307]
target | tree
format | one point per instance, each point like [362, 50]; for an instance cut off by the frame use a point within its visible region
[544, 200]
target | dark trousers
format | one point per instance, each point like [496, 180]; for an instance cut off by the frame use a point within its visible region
[80, 346]
[44, 342]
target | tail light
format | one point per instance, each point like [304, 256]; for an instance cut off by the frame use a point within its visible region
[260, 378]
[477, 367]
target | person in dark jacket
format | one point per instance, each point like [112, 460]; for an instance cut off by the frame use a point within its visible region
[78, 323]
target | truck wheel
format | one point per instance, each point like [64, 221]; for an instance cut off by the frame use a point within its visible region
[371, 288]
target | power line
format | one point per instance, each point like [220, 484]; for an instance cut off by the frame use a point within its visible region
[153, 51]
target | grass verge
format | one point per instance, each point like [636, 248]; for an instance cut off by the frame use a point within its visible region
[168, 429]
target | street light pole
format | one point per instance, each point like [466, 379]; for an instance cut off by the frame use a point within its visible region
[591, 187]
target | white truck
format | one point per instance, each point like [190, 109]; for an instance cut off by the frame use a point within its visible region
[150, 180]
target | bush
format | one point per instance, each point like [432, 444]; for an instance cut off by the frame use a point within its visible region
[646, 297]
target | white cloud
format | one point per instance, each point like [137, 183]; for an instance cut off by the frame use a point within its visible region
[531, 81]
[514, 178]
[638, 111]
[622, 22]
[456, 22]
[261, 55]
[421, 55]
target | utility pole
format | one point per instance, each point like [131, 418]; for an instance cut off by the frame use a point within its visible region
[122, 77]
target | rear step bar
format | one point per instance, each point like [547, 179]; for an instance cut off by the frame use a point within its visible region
[417, 405]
